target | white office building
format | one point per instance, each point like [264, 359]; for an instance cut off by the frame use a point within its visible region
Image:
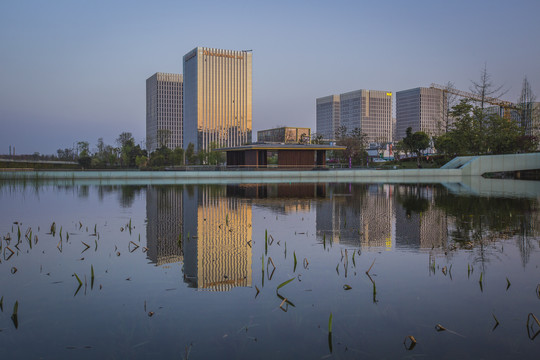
[164, 95]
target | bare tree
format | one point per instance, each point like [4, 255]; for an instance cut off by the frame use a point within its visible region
[485, 88]
[449, 100]
[528, 109]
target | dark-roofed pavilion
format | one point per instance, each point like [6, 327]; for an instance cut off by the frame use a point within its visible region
[292, 156]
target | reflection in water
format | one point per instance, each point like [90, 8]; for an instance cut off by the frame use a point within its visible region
[216, 222]
[357, 215]
[165, 224]
[419, 223]
[217, 240]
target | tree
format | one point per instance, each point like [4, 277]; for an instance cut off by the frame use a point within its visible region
[416, 143]
[177, 157]
[191, 158]
[485, 88]
[528, 110]
[124, 138]
[163, 137]
[355, 144]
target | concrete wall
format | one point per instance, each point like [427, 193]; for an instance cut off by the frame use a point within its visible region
[480, 165]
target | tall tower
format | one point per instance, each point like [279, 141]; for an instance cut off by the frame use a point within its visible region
[422, 109]
[217, 98]
[327, 116]
[164, 95]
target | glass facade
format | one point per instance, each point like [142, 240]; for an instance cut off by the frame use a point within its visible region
[218, 98]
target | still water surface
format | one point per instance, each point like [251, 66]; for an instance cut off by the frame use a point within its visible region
[194, 271]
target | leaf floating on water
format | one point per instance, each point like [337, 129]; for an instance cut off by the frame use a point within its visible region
[13, 270]
[150, 313]
[347, 287]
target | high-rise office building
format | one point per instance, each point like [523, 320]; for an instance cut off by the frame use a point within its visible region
[327, 116]
[421, 109]
[164, 94]
[368, 110]
[217, 98]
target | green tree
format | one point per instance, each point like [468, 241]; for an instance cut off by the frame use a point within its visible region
[177, 157]
[416, 143]
[191, 157]
[355, 143]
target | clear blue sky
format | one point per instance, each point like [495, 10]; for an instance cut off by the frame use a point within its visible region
[75, 70]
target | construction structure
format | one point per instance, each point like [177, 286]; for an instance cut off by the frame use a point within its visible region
[504, 106]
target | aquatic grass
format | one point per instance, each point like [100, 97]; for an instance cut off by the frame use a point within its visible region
[78, 279]
[531, 332]
[507, 284]
[330, 333]
[284, 283]
[496, 322]
[14, 315]
[86, 246]
[91, 276]
[2, 304]
[409, 342]
[330, 323]
[295, 262]
[266, 242]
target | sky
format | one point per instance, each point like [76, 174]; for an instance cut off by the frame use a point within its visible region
[76, 70]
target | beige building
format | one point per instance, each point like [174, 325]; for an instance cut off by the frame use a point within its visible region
[286, 135]
[367, 110]
[164, 94]
[217, 98]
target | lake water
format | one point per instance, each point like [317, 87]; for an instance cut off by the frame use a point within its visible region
[201, 271]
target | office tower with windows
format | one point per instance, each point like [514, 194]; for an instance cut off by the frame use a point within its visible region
[164, 94]
[370, 111]
[421, 109]
[327, 116]
[217, 98]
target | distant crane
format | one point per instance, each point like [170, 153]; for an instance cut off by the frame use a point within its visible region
[506, 105]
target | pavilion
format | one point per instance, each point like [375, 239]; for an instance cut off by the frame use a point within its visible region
[293, 156]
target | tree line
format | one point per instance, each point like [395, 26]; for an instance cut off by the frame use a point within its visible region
[127, 154]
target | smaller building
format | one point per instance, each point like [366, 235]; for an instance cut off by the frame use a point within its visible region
[285, 135]
[292, 156]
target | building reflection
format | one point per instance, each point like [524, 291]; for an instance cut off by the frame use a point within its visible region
[217, 239]
[357, 214]
[419, 223]
[280, 198]
[165, 224]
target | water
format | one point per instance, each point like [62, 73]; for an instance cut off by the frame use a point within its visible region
[184, 271]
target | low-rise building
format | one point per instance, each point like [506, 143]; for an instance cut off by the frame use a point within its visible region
[285, 135]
